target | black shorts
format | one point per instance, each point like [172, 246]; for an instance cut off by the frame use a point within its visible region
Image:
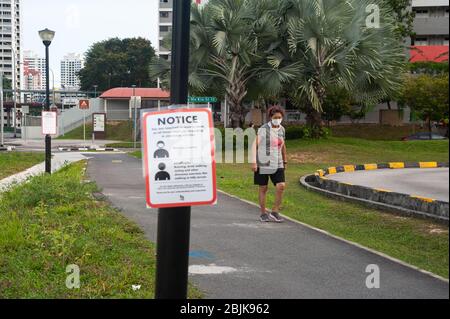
[276, 178]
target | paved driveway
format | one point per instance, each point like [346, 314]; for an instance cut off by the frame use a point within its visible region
[427, 182]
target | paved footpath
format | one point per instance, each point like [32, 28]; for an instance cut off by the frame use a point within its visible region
[58, 161]
[235, 256]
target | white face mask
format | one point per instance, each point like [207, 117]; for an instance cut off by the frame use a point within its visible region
[277, 122]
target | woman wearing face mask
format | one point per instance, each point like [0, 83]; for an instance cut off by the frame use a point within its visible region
[269, 162]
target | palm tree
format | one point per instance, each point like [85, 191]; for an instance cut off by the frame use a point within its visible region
[335, 47]
[231, 48]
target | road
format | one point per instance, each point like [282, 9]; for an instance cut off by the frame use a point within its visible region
[235, 256]
[430, 182]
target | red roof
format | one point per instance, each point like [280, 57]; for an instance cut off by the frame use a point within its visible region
[429, 53]
[127, 93]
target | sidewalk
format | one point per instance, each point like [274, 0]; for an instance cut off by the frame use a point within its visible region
[235, 256]
[58, 161]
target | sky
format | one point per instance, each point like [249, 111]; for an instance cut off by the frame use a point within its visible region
[80, 23]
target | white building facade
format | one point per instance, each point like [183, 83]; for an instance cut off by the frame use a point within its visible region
[165, 24]
[70, 66]
[10, 40]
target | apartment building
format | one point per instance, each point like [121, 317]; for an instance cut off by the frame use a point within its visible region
[431, 26]
[71, 64]
[10, 37]
[33, 71]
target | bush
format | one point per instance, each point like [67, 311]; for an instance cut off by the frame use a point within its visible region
[296, 132]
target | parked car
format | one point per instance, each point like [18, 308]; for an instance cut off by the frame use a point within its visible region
[423, 136]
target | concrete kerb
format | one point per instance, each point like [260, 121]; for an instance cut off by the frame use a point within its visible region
[404, 204]
[375, 252]
[58, 162]
[86, 149]
[7, 149]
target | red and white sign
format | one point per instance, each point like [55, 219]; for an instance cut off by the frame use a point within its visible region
[179, 158]
[49, 123]
[84, 104]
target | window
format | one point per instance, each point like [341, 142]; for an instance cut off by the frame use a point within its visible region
[422, 13]
[421, 41]
[165, 28]
[164, 14]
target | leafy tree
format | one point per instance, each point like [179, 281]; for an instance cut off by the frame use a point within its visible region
[428, 67]
[337, 103]
[404, 16]
[7, 83]
[117, 62]
[427, 96]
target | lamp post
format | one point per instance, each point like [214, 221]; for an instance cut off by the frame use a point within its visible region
[95, 90]
[47, 38]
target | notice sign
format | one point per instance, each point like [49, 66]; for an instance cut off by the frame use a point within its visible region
[99, 121]
[179, 161]
[49, 123]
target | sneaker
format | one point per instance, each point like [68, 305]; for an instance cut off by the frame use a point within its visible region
[265, 218]
[276, 217]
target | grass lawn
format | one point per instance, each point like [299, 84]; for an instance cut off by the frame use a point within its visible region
[15, 162]
[53, 222]
[415, 241]
[115, 131]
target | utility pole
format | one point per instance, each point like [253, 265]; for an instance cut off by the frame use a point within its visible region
[174, 223]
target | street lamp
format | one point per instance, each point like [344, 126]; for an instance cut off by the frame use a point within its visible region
[95, 90]
[47, 38]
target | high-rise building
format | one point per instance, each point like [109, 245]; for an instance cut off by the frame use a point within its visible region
[165, 24]
[70, 66]
[431, 27]
[10, 40]
[33, 71]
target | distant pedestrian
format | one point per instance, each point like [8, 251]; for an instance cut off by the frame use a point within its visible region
[270, 161]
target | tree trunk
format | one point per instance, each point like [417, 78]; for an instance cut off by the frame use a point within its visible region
[429, 127]
[235, 96]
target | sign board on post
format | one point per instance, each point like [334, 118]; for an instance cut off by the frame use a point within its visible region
[202, 100]
[49, 123]
[99, 125]
[179, 158]
[84, 104]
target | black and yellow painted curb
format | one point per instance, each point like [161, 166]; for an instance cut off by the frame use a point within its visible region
[420, 205]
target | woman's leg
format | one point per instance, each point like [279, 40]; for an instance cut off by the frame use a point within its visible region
[262, 198]
[280, 188]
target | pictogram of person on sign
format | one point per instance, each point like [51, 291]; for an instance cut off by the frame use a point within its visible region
[162, 175]
[161, 152]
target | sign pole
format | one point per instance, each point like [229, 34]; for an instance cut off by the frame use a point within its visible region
[174, 223]
[84, 125]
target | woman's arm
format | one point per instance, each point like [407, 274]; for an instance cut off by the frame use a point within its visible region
[254, 153]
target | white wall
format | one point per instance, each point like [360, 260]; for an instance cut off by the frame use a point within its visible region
[67, 121]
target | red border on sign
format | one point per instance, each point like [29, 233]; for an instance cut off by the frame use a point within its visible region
[213, 159]
[42, 123]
